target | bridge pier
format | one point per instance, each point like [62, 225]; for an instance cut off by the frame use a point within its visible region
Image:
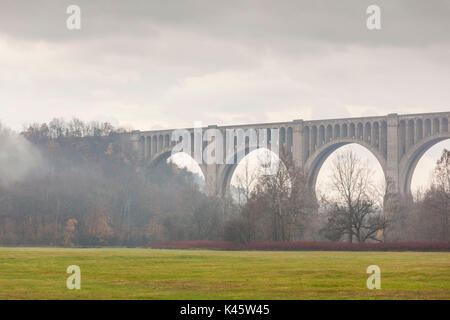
[392, 161]
[212, 182]
[297, 146]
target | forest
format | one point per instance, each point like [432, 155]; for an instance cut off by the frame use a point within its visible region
[70, 183]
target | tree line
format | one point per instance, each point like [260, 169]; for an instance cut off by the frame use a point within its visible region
[86, 190]
[281, 207]
[72, 184]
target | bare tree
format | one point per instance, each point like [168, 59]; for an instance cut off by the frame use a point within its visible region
[355, 212]
[436, 200]
[281, 204]
[246, 181]
[426, 216]
[441, 174]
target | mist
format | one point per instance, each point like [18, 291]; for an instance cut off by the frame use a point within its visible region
[19, 159]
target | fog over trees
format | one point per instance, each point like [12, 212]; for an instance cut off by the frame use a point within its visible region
[86, 191]
[70, 183]
[427, 217]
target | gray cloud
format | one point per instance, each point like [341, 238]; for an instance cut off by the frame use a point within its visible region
[286, 23]
[153, 64]
[166, 64]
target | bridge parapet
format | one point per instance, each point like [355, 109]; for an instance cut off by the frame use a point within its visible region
[414, 128]
[371, 130]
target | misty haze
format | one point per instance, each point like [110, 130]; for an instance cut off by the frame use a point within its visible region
[284, 141]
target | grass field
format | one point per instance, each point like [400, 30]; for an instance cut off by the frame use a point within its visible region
[40, 273]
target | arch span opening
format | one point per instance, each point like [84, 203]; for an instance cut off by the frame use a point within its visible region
[323, 180]
[422, 173]
[244, 176]
[183, 160]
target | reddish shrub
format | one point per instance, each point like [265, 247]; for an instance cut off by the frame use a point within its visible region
[305, 246]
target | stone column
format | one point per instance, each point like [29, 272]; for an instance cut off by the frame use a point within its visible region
[297, 143]
[145, 156]
[392, 163]
[210, 172]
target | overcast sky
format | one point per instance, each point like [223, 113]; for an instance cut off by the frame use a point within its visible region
[165, 64]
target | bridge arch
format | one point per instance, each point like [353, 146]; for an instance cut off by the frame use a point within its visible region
[164, 152]
[411, 158]
[160, 157]
[317, 159]
[227, 170]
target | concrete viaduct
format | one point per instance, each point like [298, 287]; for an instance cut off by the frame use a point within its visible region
[397, 140]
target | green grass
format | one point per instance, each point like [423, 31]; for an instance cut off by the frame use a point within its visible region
[40, 273]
